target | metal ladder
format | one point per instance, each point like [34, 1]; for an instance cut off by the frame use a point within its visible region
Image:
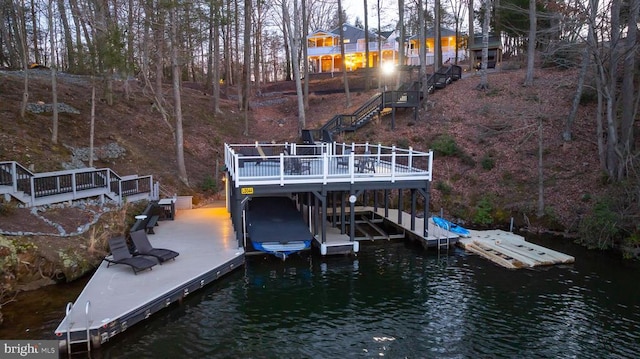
[88, 322]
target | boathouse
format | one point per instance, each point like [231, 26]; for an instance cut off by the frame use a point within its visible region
[327, 181]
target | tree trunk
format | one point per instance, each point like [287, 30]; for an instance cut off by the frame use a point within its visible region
[343, 66]
[177, 96]
[293, 36]
[423, 53]
[379, 48]
[367, 79]
[25, 60]
[629, 108]
[93, 120]
[401, 52]
[216, 60]
[246, 74]
[531, 46]
[305, 56]
[484, 82]
[540, 211]
[68, 41]
[437, 51]
[78, 24]
[610, 92]
[586, 61]
[54, 85]
[471, 40]
[34, 25]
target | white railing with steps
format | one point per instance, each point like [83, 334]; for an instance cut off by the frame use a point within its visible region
[35, 189]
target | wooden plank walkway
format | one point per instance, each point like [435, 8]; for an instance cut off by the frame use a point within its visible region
[118, 299]
[511, 250]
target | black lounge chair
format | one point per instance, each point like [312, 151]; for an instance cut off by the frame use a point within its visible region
[143, 247]
[120, 255]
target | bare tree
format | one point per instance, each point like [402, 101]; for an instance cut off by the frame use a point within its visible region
[92, 125]
[305, 52]
[458, 11]
[437, 36]
[246, 64]
[531, 46]
[366, 49]
[25, 54]
[422, 38]
[54, 85]
[216, 56]
[471, 41]
[484, 82]
[293, 40]
[342, 57]
[177, 95]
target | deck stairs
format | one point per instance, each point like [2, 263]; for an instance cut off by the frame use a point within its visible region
[32, 189]
[408, 95]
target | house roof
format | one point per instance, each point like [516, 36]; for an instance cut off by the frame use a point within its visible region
[352, 33]
[494, 42]
[431, 33]
[322, 33]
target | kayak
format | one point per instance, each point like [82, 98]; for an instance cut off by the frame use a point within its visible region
[451, 227]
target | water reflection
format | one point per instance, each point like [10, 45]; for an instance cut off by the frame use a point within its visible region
[396, 300]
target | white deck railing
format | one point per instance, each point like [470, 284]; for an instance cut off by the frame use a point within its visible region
[281, 164]
[60, 186]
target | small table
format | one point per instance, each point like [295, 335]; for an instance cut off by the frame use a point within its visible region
[168, 207]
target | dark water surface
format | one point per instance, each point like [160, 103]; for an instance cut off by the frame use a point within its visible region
[398, 301]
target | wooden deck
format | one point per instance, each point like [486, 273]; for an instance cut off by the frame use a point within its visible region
[118, 299]
[511, 250]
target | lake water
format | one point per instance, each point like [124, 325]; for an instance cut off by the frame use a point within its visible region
[398, 301]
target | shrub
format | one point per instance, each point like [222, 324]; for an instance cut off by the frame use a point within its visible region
[600, 228]
[445, 145]
[7, 208]
[483, 212]
[487, 162]
[209, 184]
[443, 187]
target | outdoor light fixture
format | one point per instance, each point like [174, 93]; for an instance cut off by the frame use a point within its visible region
[387, 68]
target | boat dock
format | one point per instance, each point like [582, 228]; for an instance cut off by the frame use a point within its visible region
[511, 250]
[115, 298]
[501, 247]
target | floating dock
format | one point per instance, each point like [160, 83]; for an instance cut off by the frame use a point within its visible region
[115, 298]
[511, 250]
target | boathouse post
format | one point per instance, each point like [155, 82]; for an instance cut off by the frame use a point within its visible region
[386, 203]
[334, 213]
[343, 208]
[323, 222]
[400, 205]
[413, 209]
[352, 215]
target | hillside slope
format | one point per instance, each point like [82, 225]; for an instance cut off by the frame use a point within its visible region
[487, 141]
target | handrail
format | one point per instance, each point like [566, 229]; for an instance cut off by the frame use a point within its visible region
[393, 164]
[28, 187]
[87, 316]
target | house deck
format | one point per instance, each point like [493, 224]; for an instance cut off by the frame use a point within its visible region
[118, 299]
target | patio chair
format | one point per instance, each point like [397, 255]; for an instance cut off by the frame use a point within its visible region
[367, 163]
[144, 247]
[293, 165]
[120, 255]
[344, 159]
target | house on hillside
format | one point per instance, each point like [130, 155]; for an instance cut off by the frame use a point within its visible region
[495, 50]
[448, 41]
[324, 48]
